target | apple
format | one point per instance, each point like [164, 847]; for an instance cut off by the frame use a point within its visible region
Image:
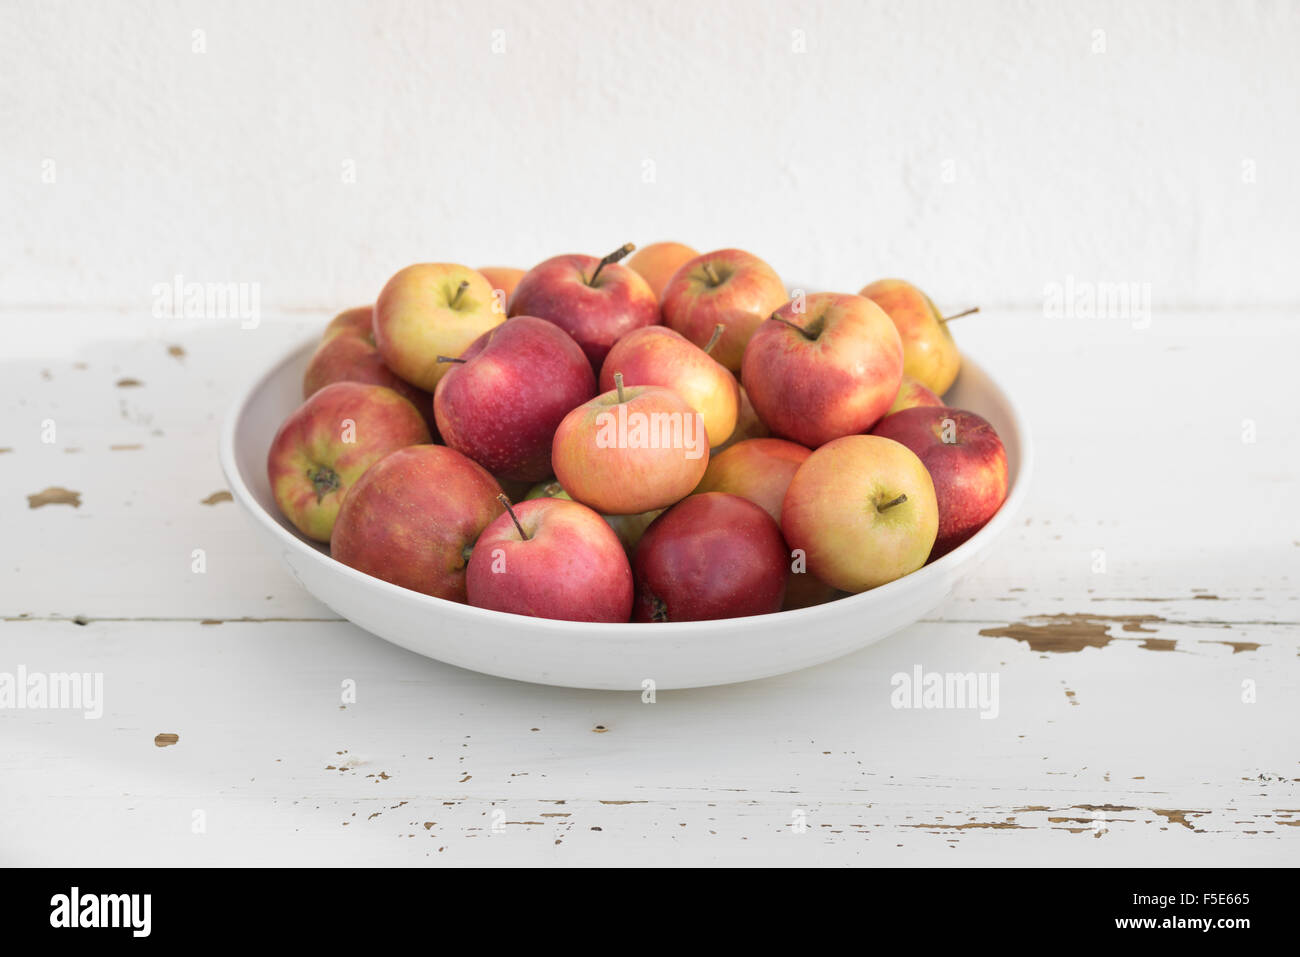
[594, 300]
[966, 461]
[347, 353]
[748, 424]
[912, 394]
[630, 450]
[413, 518]
[504, 279]
[829, 370]
[929, 354]
[628, 528]
[710, 556]
[431, 310]
[503, 398]
[728, 286]
[329, 441]
[656, 355]
[551, 558]
[658, 262]
[863, 510]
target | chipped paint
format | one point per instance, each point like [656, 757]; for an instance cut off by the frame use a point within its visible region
[1064, 634]
[165, 740]
[54, 496]
[216, 498]
[129, 383]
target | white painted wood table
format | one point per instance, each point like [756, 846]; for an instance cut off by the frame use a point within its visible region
[1142, 620]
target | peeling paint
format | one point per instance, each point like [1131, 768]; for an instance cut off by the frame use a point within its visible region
[1063, 634]
[54, 496]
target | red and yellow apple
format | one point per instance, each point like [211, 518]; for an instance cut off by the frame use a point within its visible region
[329, 442]
[656, 355]
[728, 286]
[597, 301]
[862, 509]
[966, 461]
[748, 424]
[504, 279]
[502, 400]
[911, 395]
[413, 518]
[628, 528]
[551, 558]
[829, 370]
[431, 310]
[929, 354]
[658, 262]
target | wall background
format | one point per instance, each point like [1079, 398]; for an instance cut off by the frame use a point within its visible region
[981, 149]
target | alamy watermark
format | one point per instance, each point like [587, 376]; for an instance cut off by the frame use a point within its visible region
[652, 430]
[1081, 299]
[945, 690]
[55, 690]
[179, 299]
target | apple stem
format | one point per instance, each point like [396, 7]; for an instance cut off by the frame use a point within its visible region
[618, 384]
[713, 339]
[451, 359]
[613, 257]
[888, 505]
[960, 314]
[460, 291]
[708, 271]
[513, 517]
[800, 329]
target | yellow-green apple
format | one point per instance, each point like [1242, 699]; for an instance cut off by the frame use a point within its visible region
[748, 424]
[630, 450]
[728, 286]
[824, 367]
[504, 397]
[929, 354]
[596, 301]
[658, 262]
[328, 442]
[551, 558]
[431, 310]
[912, 394]
[347, 353]
[413, 519]
[709, 556]
[863, 511]
[656, 355]
[504, 279]
[760, 470]
[966, 461]
[628, 528]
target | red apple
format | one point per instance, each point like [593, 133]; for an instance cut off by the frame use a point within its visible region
[655, 355]
[658, 262]
[710, 556]
[326, 445]
[413, 519]
[912, 394]
[431, 310]
[728, 286]
[966, 462]
[551, 558]
[502, 400]
[631, 450]
[347, 353]
[829, 370]
[594, 300]
[862, 509]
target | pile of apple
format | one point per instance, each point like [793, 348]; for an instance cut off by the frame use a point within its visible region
[572, 442]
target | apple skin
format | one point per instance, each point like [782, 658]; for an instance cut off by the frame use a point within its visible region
[504, 279]
[596, 316]
[969, 473]
[746, 293]
[571, 567]
[832, 511]
[710, 556]
[628, 528]
[748, 425]
[413, 518]
[911, 395]
[347, 353]
[836, 377]
[311, 465]
[502, 404]
[930, 355]
[415, 319]
[601, 468]
[658, 262]
[655, 355]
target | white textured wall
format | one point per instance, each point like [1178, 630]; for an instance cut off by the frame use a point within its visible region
[1130, 164]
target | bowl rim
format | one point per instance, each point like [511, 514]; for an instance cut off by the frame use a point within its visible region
[629, 630]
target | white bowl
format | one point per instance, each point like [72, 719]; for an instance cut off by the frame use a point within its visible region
[603, 656]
